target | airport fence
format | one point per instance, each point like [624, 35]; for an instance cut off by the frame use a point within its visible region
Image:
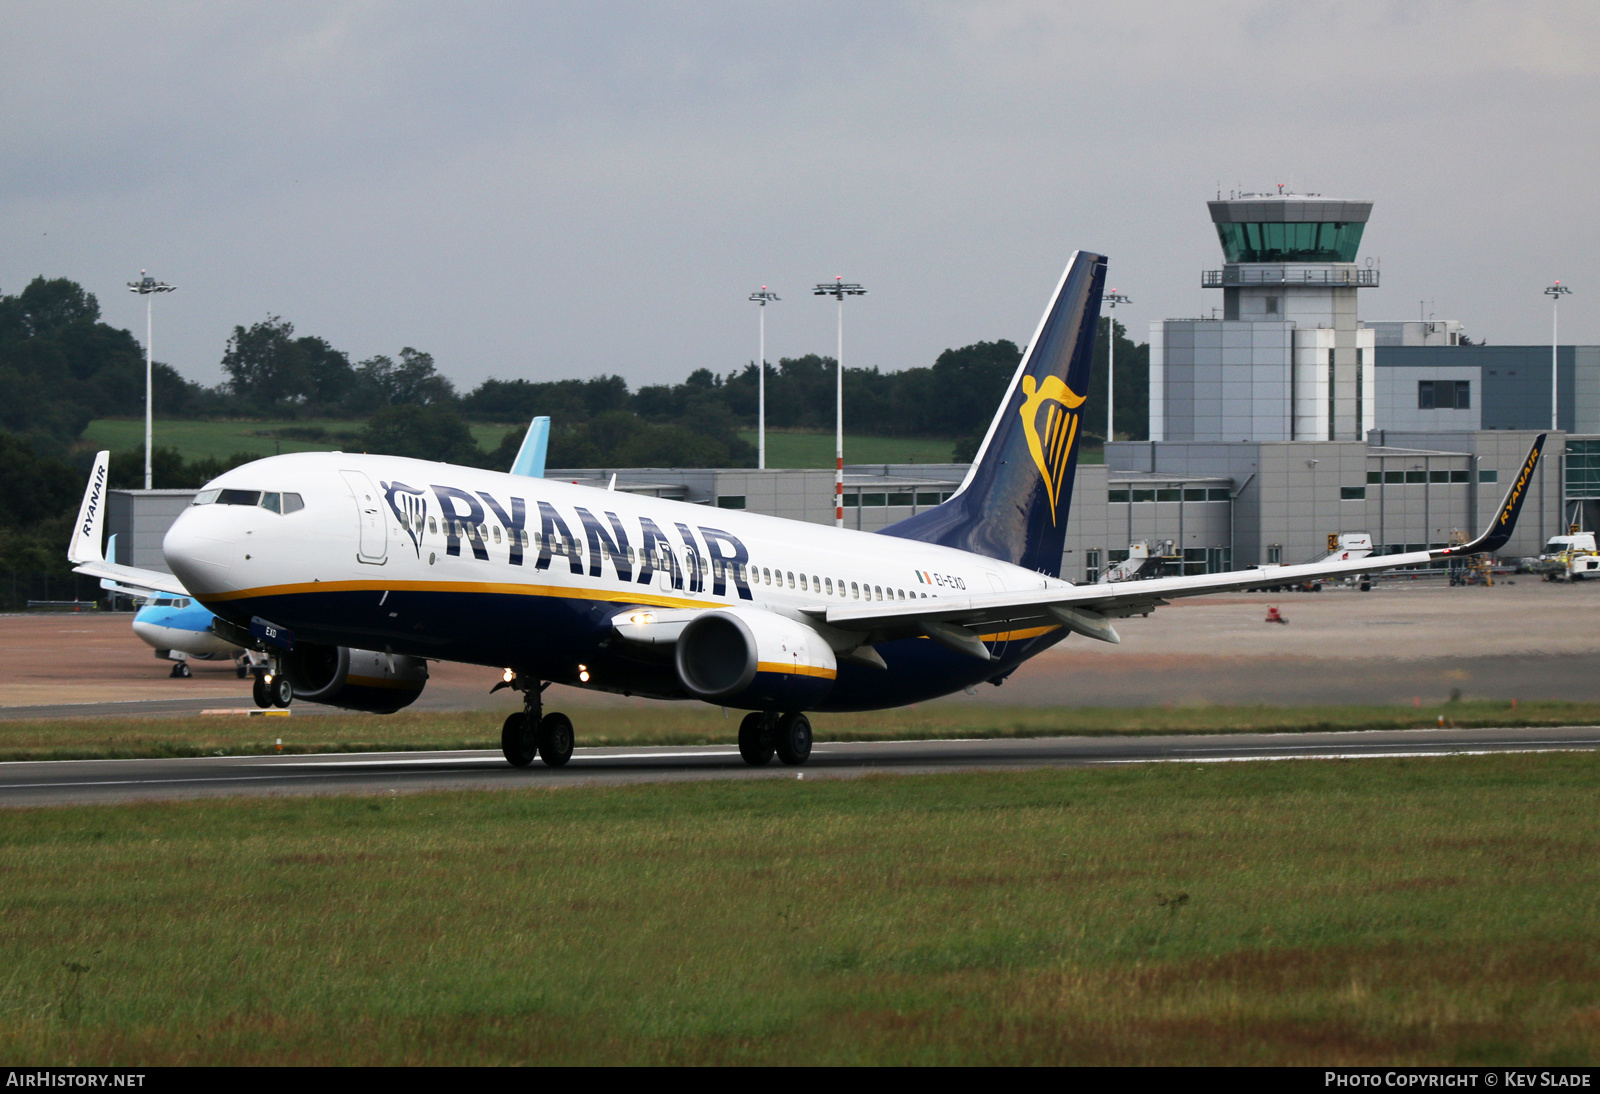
[18, 587]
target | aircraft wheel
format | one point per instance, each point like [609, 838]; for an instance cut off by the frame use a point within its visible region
[240, 671]
[755, 738]
[792, 739]
[181, 671]
[282, 691]
[261, 692]
[555, 739]
[518, 744]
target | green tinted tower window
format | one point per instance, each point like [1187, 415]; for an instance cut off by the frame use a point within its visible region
[1334, 241]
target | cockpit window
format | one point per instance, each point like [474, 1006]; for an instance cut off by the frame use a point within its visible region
[271, 500]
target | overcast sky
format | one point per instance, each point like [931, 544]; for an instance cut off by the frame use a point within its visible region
[549, 191]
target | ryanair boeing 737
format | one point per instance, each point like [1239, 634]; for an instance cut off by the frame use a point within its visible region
[352, 571]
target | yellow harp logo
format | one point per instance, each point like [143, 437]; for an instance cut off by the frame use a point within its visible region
[1050, 440]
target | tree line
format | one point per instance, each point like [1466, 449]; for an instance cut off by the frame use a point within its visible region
[61, 366]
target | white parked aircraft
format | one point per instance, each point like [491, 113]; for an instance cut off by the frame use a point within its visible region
[308, 555]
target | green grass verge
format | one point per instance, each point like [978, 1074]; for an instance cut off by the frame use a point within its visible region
[1437, 911]
[694, 723]
[197, 440]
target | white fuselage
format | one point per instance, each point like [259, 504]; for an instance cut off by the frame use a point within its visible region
[422, 557]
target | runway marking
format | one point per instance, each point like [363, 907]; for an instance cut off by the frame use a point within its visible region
[1559, 745]
[1442, 752]
[498, 760]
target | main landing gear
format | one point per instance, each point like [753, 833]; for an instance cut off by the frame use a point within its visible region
[531, 732]
[764, 733]
[272, 689]
[181, 671]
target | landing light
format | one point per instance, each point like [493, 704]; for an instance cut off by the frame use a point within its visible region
[508, 676]
[642, 617]
[583, 674]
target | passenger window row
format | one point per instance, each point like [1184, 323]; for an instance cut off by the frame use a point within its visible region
[764, 575]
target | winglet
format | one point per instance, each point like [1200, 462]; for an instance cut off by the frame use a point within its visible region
[1498, 534]
[530, 457]
[85, 543]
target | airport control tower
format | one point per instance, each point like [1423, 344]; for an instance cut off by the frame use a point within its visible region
[1287, 360]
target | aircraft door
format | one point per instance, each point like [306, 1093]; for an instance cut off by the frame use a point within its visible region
[374, 544]
[669, 570]
[691, 566]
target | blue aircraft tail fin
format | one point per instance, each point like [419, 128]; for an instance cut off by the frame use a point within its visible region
[1014, 503]
[530, 457]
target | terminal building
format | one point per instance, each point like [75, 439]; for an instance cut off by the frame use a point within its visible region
[1280, 422]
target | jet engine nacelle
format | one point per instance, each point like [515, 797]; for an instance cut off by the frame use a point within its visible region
[755, 660]
[354, 679]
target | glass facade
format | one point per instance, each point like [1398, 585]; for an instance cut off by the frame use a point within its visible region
[1335, 241]
[1583, 469]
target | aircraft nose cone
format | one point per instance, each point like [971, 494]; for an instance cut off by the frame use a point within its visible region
[199, 549]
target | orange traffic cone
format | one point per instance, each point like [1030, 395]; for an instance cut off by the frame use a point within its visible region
[1274, 617]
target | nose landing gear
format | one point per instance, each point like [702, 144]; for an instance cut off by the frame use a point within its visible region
[533, 733]
[271, 688]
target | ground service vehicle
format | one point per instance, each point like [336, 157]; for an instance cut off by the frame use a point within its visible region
[1572, 556]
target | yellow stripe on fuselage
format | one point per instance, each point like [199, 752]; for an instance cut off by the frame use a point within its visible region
[796, 670]
[618, 596]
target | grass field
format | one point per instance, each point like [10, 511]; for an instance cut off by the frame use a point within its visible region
[695, 723]
[198, 440]
[817, 449]
[1370, 912]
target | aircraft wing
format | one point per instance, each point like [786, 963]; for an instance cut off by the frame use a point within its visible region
[132, 579]
[84, 548]
[958, 622]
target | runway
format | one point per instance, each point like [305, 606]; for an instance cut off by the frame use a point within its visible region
[84, 782]
[1403, 643]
